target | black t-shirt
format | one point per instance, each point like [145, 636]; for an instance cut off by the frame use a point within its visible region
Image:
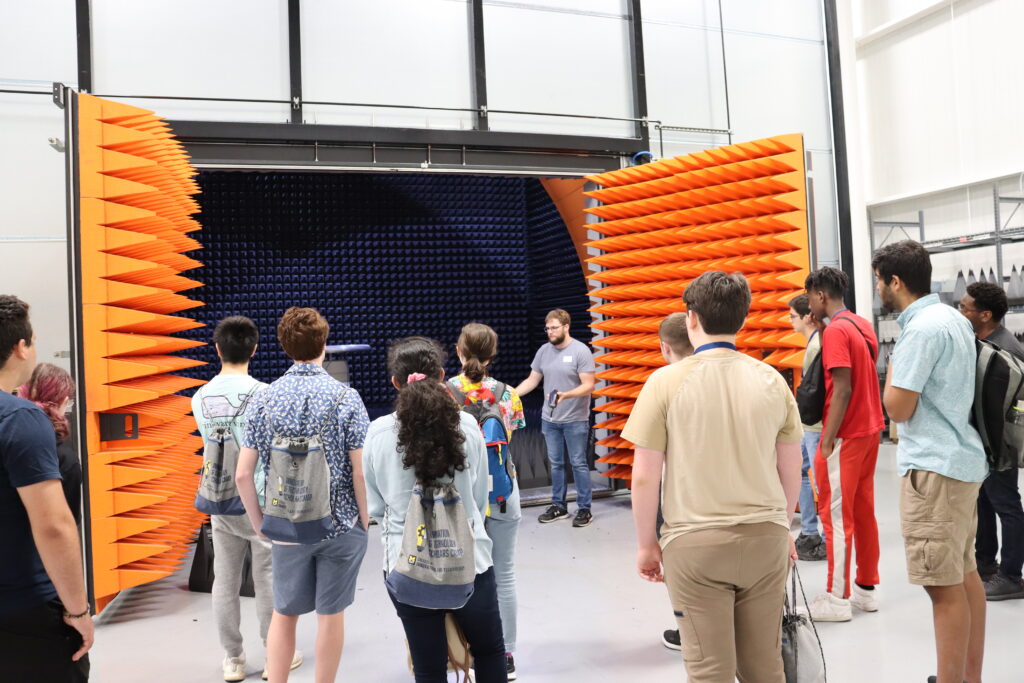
[28, 455]
[71, 477]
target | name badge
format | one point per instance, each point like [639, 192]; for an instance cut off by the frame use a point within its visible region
[566, 359]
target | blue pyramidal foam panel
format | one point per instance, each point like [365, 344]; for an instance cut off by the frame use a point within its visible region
[384, 256]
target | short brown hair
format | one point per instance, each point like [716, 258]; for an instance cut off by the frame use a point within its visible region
[303, 333]
[720, 300]
[673, 332]
[559, 315]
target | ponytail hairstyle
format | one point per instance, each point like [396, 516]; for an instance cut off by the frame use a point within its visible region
[429, 434]
[478, 344]
[48, 387]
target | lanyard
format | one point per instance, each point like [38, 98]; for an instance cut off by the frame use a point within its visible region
[843, 310]
[714, 345]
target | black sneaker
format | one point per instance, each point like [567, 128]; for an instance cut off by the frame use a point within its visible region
[810, 548]
[670, 639]
[553, 513]
[1002, 587]
[583, 518]
[510, 666]
[986, 570]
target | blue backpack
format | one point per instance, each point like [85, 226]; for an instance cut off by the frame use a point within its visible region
[499, 461]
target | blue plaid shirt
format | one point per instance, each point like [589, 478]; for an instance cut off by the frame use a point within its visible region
[296, 405]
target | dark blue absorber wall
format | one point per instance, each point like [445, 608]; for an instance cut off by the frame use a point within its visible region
[384, 256]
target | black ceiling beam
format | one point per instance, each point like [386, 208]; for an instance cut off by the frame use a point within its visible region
[835, 85]
[245, 132]
[83, 30]
[639, 79]
[476, 31]
[295, 59]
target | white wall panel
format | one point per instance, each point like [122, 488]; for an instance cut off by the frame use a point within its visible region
[875, 13]
[404, 52]
[685, 84]
[559, 63]
[776, 87]
[800, 19]
[699, 13]
[909, 111]
[37, 41]
[193, 48]
[33, 222]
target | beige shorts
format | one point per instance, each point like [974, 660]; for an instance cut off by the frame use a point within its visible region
[939, 517]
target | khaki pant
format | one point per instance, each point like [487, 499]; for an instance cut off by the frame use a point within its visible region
[939, 517]
[727, 588]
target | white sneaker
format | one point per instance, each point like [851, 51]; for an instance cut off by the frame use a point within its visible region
[866, 601]
[234, 668]
[296, 663]
[827, 607]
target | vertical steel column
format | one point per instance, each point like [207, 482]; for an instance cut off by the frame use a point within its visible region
[476, 32]
[295, 59]
[998, 231]
[835, 87]
[636, 56]
[83, 31]
[725, 72]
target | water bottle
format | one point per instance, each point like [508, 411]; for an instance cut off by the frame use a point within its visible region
[1018, 413]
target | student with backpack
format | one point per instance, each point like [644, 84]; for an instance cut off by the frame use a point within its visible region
[306, 430]
[844, 467]
[499, 411]
[427, 487]
[929, 390]
[220, 408]
[985, 305]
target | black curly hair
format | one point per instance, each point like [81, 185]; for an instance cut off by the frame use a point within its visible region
[14, 325]
[832, 281]
[429, 436]
[989, 296]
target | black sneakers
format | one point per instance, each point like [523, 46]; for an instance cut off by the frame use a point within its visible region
[986, 570]
[670, 639]
[1002, 587]
[583, 518]
[552, 514]
[510, 666]
[810, 548]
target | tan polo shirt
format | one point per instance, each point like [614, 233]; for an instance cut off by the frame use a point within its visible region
[717, 415]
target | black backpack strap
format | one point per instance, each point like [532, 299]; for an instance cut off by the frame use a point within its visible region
[863, 336]
[501, 387]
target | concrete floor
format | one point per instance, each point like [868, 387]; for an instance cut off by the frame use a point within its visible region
[584, 615]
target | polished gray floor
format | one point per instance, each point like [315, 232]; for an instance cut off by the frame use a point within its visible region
[584, 616]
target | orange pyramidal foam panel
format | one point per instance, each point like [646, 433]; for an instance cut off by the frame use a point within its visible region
[136, 197]
[740, 208]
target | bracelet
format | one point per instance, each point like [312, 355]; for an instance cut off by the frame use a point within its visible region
[69, 615]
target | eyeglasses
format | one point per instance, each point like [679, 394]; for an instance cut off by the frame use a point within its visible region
[553, 329]
[965, 309]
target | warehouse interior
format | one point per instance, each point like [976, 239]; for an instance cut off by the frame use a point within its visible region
[406, 167]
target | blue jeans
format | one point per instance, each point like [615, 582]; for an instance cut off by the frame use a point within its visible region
[573, 436]
[808, 508]
[503, 534]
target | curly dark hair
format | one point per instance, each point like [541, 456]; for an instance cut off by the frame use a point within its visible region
[989, 296]
[14, 325]
[909, 261]
[429, 434]
[832, 281]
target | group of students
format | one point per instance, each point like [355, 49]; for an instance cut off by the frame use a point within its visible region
[719, 440]
[721, 459]
[374, 469]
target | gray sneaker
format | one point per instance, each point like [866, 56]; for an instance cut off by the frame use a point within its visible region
[810, 548]
[1002, 587]
[553, 513]
[583, 518]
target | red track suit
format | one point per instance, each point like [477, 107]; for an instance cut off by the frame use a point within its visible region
[846, 480]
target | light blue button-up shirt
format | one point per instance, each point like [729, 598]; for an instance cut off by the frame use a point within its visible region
[935, 356]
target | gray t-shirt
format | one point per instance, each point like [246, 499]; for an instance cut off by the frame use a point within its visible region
[561, 369]
[1005, 340]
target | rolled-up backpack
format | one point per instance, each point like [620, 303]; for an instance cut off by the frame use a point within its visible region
[802, 656]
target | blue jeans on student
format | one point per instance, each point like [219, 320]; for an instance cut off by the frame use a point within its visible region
[503, 533]
[560, 436]
[808, 508]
